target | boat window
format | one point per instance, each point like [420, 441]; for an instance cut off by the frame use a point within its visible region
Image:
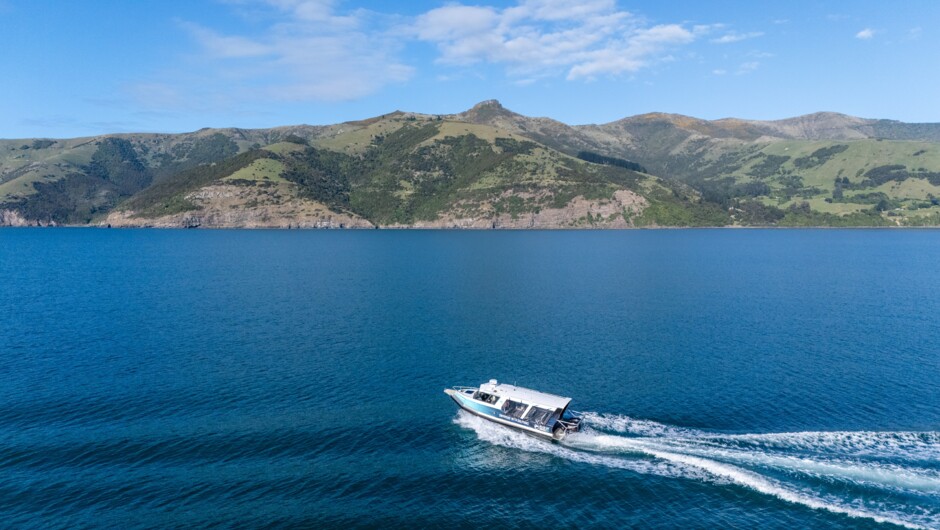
[486, 398]
[539, 416]
[514, 409]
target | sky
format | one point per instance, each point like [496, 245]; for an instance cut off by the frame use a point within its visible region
[83, 67]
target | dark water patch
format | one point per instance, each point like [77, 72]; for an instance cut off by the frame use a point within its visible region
[208, 447]
[293, 379]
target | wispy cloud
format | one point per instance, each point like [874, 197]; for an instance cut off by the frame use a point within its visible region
[226, 46]
[57, 122]
[865, 34]
[758, 54]
[748, 67]
[314, 50]
[538, 38]
[308, 51]
[729, 38]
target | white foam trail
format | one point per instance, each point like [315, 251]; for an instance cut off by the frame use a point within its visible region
[904, 445]
[638, 427]
[871, 474]
[691, 453]
[503, 436]
[828, 451]
[771, 487]
[903, 479]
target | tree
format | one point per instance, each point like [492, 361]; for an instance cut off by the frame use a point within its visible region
[837, 191]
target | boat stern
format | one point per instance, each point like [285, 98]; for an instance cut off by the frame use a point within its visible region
[564, 427]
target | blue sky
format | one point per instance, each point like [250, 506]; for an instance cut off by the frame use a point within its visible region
[83, 68]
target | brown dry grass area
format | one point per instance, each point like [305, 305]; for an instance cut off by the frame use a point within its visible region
[579, 213]
[240, 206]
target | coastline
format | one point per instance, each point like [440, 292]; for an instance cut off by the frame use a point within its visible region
[463, 229]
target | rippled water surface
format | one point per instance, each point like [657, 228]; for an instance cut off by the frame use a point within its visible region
[750, 378]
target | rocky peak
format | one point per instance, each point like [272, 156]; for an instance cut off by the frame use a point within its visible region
[493, 104]
[486, 112]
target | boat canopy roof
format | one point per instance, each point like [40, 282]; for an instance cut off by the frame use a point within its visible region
[525, 395]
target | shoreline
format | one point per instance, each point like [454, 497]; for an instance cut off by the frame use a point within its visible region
[468, 229]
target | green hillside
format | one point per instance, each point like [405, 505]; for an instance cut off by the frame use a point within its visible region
[866, 182]
[487, 167]
[417, 169]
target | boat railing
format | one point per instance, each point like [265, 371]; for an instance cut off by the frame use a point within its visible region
[571, 424]
[462, 388]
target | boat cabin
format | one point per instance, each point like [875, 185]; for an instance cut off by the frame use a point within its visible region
[530, 406]
[532, 411]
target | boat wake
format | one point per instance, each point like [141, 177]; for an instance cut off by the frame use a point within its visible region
[889, 477]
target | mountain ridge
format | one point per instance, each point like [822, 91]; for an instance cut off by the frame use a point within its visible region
[494, 106]
[466, 169]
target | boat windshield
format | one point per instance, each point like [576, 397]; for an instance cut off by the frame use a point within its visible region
[486, 398]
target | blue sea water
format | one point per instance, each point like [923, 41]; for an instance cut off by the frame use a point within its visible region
[729, 378]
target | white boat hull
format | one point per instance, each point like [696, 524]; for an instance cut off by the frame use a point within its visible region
[495, 415]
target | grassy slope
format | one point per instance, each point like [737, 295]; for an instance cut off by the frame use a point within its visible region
[402, 168]
[169, 195]
[417, 168]
[21, 168]
[720, 158]
[794, 176]
[861, 156]
[163, 154]
[421, 168]
[261, 170]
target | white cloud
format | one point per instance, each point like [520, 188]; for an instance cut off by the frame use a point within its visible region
[307, 51]
[865, 34]
[728, 38]
[314, 50]
[300, 10]
[719, 72]
[227, 47]
[309, 10]
[539, 38]
[748, 67]
[456, 22]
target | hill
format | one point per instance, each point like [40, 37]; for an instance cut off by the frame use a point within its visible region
[765, 172]
[398, 170]
[820, 165]
[487, 167]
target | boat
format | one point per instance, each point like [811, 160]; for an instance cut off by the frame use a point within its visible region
[534, 412]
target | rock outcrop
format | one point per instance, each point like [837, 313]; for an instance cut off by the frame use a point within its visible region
[14, 218]
[618, 212]
[234, 206]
